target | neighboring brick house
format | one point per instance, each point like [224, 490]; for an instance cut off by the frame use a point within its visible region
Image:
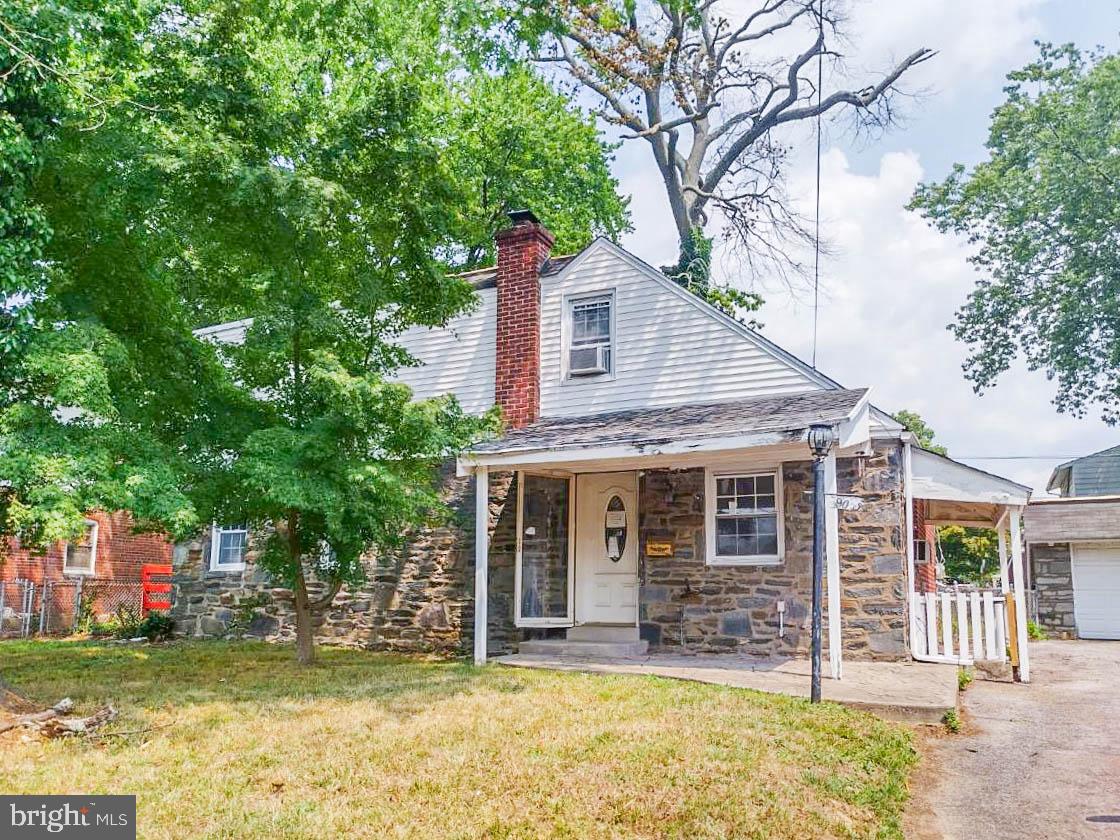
[100, 571]
[1074, 548]
[110, 549]
[652, 487]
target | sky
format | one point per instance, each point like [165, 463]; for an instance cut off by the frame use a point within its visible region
[892, 284]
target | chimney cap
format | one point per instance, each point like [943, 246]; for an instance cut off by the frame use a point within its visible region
[523, 217]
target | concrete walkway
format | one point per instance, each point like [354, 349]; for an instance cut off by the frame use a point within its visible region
[910, 692]
[1037, 760]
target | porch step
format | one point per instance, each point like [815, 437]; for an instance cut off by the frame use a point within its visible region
[603, 633]
[582, 649]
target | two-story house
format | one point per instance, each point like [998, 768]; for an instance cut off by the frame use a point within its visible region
[651, 490]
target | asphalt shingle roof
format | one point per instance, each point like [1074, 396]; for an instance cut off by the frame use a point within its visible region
[786, 413]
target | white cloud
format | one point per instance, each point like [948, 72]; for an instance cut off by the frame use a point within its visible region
[888, 292]
[973, 39]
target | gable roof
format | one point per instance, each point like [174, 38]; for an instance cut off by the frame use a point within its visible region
[1060, 477]
[882, 419]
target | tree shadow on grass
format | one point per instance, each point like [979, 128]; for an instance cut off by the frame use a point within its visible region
[191, 673]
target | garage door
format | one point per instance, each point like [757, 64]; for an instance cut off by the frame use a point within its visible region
[1096, 590]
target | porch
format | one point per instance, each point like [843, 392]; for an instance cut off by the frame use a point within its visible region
[957, 624]
[907, 692]
[690, 529]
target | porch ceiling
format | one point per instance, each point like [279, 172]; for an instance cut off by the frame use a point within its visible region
[640, 434]
[961, 494]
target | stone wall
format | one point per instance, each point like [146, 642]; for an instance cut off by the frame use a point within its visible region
[1052, 575]
[418, 599]
[685, 602]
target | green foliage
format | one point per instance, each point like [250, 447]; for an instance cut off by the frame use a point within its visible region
[157, 626]
[1042, 215]
[317, 169]
[964, 678]
[951, 720]
[918, 427]
[1034, 631]
[516, 143]
[693, 272]
[971, 554]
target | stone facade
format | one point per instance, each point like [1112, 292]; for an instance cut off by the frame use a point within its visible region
[419, 599]
[685, 603]
[1052, 575]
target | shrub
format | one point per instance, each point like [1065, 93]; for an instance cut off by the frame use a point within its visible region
[964, 678]
[156, 626]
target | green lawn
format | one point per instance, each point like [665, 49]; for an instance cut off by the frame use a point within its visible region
[369, 745]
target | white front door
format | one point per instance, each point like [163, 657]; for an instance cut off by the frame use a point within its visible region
[607, 548]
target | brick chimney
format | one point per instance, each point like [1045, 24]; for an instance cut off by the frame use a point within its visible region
[522, 250]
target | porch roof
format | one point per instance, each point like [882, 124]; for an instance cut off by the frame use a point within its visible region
[961, 494]
[695, 427]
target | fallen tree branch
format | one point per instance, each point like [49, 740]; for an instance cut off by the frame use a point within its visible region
[52, 722]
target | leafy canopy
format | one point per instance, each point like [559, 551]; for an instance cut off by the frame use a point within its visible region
[317, 168]
[1043, 213]
[920, 429]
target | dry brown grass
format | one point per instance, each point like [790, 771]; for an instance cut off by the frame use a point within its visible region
[370, 745]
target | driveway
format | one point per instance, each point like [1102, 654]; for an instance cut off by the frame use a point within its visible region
[1038, 760]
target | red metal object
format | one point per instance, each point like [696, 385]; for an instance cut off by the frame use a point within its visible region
[155, 588]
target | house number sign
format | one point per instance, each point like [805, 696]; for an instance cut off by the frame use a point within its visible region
[659, 549]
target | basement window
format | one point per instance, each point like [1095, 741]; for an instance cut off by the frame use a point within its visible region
[744, 518]
[80, 556]
[228, 544]
[590, 324]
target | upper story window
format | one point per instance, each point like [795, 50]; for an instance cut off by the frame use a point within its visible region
[228, 544]
[591, 335]
[80, 556]
[744, 518]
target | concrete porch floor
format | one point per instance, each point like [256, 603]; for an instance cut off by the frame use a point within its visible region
[911, 692]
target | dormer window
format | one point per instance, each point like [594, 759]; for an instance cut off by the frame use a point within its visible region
[590, 346]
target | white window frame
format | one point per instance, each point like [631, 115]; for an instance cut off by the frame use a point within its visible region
[745, 471]
[216, 532]
[94, 528]
[570, 302]
[567, 620]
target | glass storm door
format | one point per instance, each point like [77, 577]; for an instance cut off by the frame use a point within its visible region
[544, 551]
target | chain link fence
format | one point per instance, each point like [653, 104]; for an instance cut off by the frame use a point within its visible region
[17, 607]
[62, 607]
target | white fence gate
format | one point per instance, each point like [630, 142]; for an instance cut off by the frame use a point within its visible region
[960, 626]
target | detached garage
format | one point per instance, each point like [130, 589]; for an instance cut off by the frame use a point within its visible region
[1073, 547]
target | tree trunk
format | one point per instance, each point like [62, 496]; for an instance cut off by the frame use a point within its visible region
[305, 634]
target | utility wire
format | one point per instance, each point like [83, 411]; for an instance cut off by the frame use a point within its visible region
[817, 236]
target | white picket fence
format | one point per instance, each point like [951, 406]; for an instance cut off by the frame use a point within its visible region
[960, 626]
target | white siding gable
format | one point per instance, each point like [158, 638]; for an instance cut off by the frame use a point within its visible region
[457, 359]
[669, 348]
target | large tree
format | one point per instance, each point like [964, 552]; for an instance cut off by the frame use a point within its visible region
[318, 170]
[708, 87]
[1042, 213]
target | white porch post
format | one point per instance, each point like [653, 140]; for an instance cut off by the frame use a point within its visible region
[1001, 534]
[908, 541]
[1020, 628]
[481, 559]
[832, 566]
